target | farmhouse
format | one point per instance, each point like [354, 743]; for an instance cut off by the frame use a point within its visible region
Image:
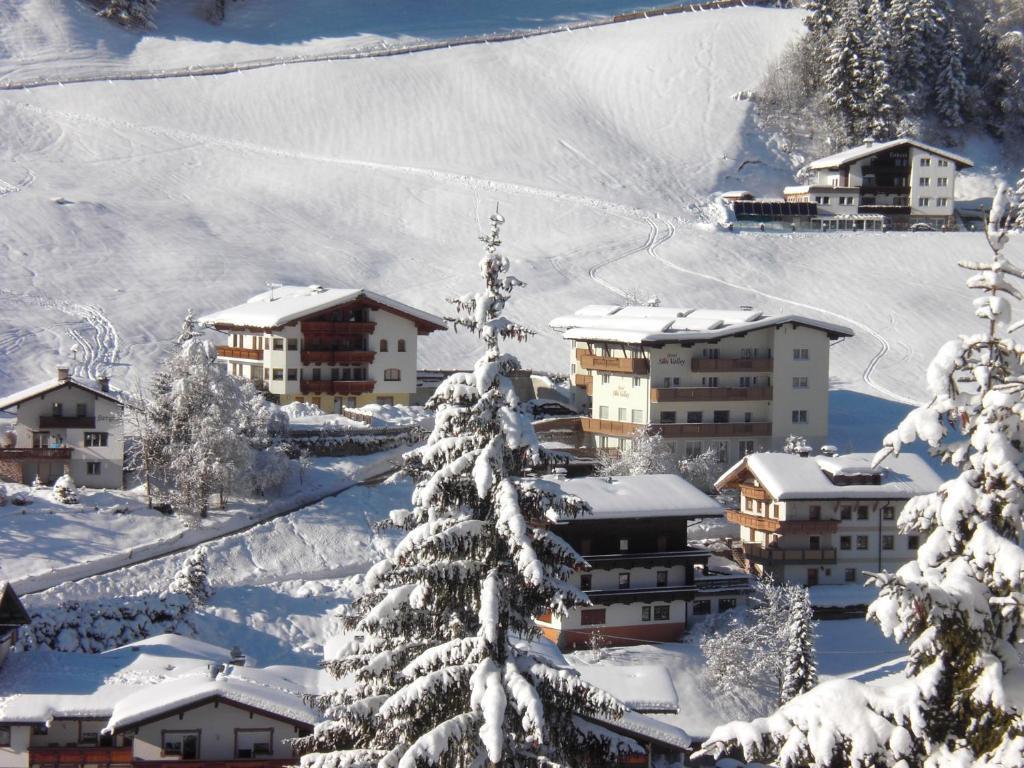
[825, 519]
[333, 347]
[66, 425]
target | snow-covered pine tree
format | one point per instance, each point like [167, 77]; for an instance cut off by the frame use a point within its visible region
[959, 606]
[846, 90]
[1017, 220]
[647, 454]
[800, 670]
[949, 93]
[130, 13]
[443, 669]
[193, 578]
[884, 109]
[65, 491]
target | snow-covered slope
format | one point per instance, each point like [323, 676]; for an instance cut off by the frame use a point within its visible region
[128, 202]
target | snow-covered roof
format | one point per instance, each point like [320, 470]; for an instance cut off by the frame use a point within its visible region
[646, 727]
[790, 476]
[283, 305]
[48, 386]
[639, 496]
[643, 687]
[659, 325]
[867, 150]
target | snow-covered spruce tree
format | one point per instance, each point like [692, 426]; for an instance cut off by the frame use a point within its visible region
[800, 670]
[959, 606]
[647, 454]
[846, 90]
[65, 491]
[193, 578]
[443, 672]
[129, 13]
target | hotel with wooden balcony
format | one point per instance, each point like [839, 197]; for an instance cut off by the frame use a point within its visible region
[333, 347]
[824, 519]
[735, 381]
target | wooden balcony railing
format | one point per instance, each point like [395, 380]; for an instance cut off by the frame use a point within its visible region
[609, 427]
[68, 756]
[337, 387]
[776, 555]
[67, 422]
[710, 394]
[754, 492]
[713, 364]
[730, 429]
[29, 454]
[337, 356]
[754, 522]
[608, 364]
[584, 381]
[339, 328]
[240, 353]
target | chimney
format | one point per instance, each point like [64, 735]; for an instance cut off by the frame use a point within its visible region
[62, 373]
[104, 382]
[869, 141]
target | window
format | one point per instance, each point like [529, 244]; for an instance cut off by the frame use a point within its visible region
[592, 616]
[943, 163]
[862, 513]
[845, 512]
[661, 578]
[401, 345]
[913, 542]
[278, 343]
[623, 581]
[5, 735]
[925, 162]
[862, 542]
[799, 417]
[638, 416]
[924, 181]
[89, 738]
[623, 545]
[605, 378]
[667, 417]
[850, 574]
[694, 417]
[92, 468]
[622, 414]
[888, 542]
[675, 381]
[750, 503]
[815, 512]
[814, 542]
[726, 604]
[40, 729]
[185, 744]
[293, 374]
[278, 374]
[257, 742]
[721, 417]
[315, 374]
[661, 613]
[701, 607]
[746, 447]
[96, 439]
[293, 344]
[822, 200]
[801, 353]
[709, 381]
[586, 581]
[845, 200]
[923, 202]
[392, 374]
[941, 202]
[844, 542]
[745, 381]
[942, 181]
[709, 353]
[602, 412]
[799, 382]
[636, 381]
[80, 410]
[645, 613]
[888, 513]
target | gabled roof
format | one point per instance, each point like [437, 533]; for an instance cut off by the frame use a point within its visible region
[53, 384]
[660, 325]
[867, 150]
[789, 476]
[12, 612]
[279, 306]
[629, 497]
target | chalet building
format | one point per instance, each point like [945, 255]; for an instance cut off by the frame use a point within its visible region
[333, 347]
[153, 704]
[735, 381]
[645, 582]
[825, 519]
[12, 616]
[66, 425]
[896, 183]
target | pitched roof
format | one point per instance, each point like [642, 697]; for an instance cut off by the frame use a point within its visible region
[48, 386]
[658, 325]
[790, 476]
[285, 304]
[867, 150]
[639, 496]
[12, 612]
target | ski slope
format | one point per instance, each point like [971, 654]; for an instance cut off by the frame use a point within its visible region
[128, 202]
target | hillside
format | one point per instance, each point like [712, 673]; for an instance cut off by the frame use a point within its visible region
[128, 202]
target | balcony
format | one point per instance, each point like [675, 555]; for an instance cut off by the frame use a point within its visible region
[337, 356]
[878, 189]
[584, 382]
[763, 554]
[337, 328]
[641, 594]
[889, 210]
[33, 454]
[607, 364]
[240, 353]
[729, 429]
[647, 559]
[67, 422]
[609, 427]
[727, 364]
[754, 522]
[73, 756]
[721, 583]
[710, 394]
[754, 492]
[337, 387]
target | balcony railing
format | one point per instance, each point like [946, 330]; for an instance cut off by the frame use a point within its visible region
[729, 429]
[776, 555]
[608, 364]
[713, 364]
[67, 756]
[893, 210]
[585, 382]
[337, 356]
[240, 353]
[754, 492]
[710, 394]
[879, 189]
[754, 522]
[28, 454]
[67, 422]
[337, 387]
[340, 327]
[642, 594]
[608, 427]
[646, 559]
[707, 584]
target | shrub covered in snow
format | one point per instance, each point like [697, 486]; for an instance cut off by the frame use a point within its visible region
[65, 491]
[193, 578]
[647, 454]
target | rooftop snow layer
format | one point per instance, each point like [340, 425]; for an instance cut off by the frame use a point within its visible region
[632, 496]
[789, 476]
[643, 687]
[638, 325]
[41, 389]
[867, 150]
[280, 306]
